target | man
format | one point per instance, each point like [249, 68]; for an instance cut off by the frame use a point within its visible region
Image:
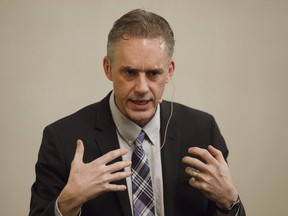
[183, 153]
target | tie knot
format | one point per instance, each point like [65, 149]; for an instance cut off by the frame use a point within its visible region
[141, 136]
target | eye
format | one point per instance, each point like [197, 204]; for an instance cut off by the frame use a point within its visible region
[153, 74]
[130, 72]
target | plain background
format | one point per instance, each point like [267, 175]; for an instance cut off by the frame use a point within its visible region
[231, 61]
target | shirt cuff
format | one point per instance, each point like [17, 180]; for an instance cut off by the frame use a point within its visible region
[232, 214]
[57, 211]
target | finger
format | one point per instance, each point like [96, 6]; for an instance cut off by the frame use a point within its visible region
[110, 156]
[118, 166]
[195, 183]
[120, 175]
[216, 153]
[115, 187]
[195, 163]
[193, 173]
[78, 157]
[202, 153]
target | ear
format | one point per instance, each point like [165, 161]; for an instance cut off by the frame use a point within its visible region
[170, 70]
[107, 68]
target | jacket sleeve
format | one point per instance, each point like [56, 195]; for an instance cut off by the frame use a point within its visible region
[217, 139]
[219, 143]
[51, 175]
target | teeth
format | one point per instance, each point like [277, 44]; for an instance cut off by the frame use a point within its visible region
[140, 102]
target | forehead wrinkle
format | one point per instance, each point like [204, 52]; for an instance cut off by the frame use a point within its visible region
[142, 60]
[142, 69]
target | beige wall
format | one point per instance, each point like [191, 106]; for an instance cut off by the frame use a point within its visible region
[231, 61]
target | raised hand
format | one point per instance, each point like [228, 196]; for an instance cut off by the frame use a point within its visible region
[212, 176]
[90, 180]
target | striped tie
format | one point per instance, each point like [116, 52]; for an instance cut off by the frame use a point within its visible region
[141, 180]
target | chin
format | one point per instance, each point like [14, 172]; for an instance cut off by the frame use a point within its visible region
[142, 120]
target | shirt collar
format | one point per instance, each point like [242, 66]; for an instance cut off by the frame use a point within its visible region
[128, 130]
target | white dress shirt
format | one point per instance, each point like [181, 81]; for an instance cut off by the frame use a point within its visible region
[127, 132]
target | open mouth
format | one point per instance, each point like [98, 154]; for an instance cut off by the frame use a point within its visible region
[140, 102]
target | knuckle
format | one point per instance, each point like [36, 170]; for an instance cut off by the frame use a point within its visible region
[119, 166]
[205, 153]
[102, 171]
[116, 153]
[113, 154]
[204, 187]
[104, 180]
[105, 187]
[115, 167]
[97, 162]
[119, 175]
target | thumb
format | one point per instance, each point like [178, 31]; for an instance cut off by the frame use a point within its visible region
[78, 157]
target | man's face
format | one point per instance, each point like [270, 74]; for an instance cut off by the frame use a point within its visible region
[139, 72]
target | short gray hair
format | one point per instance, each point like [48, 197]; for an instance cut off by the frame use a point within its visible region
[140, 24]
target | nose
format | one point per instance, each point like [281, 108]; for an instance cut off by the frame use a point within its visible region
[141, 85]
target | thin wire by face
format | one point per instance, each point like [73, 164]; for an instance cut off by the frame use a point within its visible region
[168, 122]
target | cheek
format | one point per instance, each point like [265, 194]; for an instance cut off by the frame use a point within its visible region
[122, 88]
[158, 90]
[118, 84]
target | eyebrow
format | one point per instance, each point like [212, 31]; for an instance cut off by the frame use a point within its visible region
[128, 68]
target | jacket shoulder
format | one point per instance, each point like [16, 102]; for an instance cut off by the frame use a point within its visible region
[84, 118]
[86, 114]
[184, 113]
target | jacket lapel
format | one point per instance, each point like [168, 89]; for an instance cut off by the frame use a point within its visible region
[106, 139]
[169, 158]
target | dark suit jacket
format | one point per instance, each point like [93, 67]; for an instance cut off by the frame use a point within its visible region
[94, 125]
